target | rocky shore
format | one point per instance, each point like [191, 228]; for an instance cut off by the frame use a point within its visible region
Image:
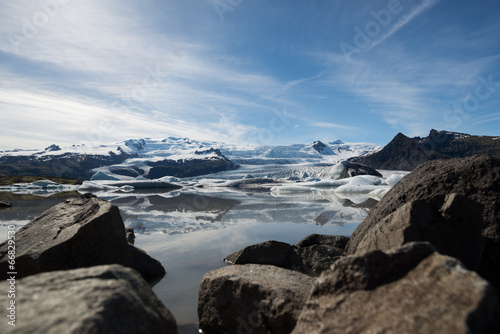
[425, 260]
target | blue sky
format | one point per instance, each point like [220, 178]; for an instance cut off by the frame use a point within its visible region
[246, 71]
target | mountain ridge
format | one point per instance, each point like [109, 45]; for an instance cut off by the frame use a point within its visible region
[405, 153]
[170, 156]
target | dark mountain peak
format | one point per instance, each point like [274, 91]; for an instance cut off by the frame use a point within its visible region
[52, 148]
[404, 153]
[322, 148]
[209, 151]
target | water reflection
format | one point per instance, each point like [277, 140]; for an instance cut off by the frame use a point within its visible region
[190, 231]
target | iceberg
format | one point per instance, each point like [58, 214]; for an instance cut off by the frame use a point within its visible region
[101, 176]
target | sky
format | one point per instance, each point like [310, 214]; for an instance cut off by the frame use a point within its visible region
[262, 72]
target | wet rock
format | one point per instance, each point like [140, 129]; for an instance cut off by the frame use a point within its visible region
[252, 299]
[101, 299]
[477, 178]
[412, 289]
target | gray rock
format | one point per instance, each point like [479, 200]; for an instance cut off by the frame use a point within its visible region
[318, 252]
[338, 241]
[151, 269]
[452, 224]
[272, 252]
[409, 290]
[101, 299]
[318, 258]
[80, 232]
[5, 205]
[252, 299]
[477, 178]
[129, 231]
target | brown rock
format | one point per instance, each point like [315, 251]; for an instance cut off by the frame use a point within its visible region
[452, 224]
[409, 290]
[79, 232]
[252, 299]
[477, 178]
[101, 299]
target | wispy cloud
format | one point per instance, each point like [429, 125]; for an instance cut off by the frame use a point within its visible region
[327, 125]
[406, 19]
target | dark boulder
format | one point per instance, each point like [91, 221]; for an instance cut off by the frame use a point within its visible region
[101, 299]
[318, 251]
[5, 205]
[451, 223]
[252, 299]
[337, 241]
[129, 232]
[272, 252]
[412, 289]
[477, 178]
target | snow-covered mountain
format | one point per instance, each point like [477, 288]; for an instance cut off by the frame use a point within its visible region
[137, 156]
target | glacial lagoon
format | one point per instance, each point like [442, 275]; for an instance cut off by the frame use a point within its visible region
[190, 230]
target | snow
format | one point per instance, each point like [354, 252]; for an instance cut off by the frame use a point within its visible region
[393, 179]
[333, 172]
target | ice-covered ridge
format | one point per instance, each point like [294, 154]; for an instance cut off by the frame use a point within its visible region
[148, 149]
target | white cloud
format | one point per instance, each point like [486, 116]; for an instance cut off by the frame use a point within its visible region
[328, 125]
[406, 19]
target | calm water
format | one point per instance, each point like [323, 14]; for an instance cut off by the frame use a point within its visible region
[191, 231]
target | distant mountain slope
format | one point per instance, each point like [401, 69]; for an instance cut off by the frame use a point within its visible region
[404, 153]
[172, 156]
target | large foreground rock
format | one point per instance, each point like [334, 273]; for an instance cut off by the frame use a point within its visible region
[80, 232]
[102, 299]
[409, 290]
[252, 299]
[451, 223]
[477, 178]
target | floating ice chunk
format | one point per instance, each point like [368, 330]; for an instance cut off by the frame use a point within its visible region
[127, 188]
[333, 172]
[359, 188]
[393, 179]
[289, 189]
[47, 184]
[380, 192]
[365, 179]
[101, 176]
[169, 179]
[91, 185]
